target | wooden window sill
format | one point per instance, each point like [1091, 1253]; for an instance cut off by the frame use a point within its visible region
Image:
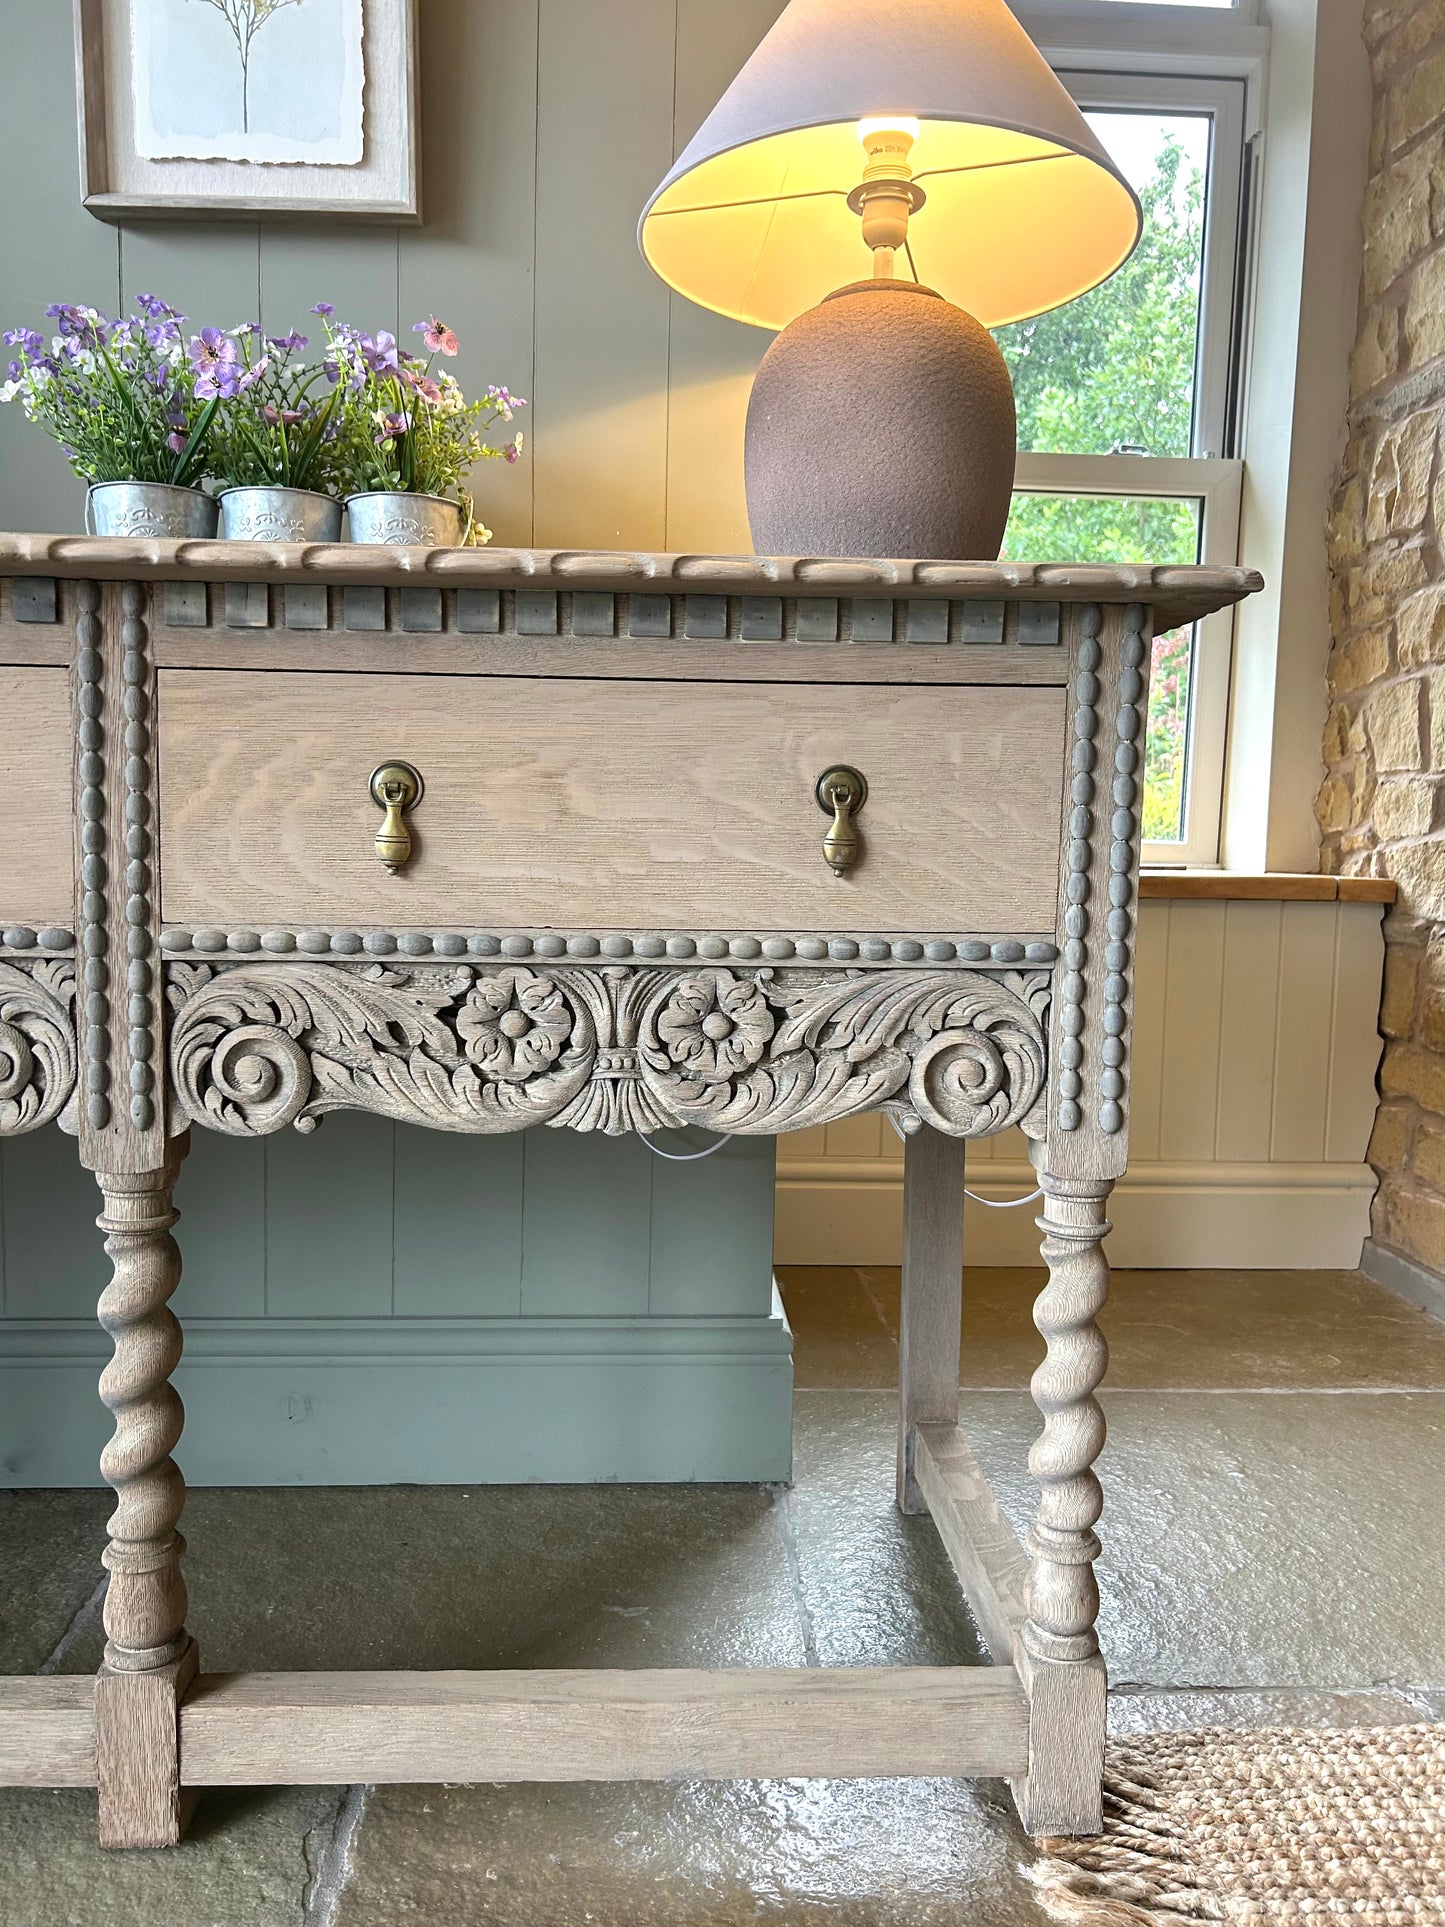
[1227, 886]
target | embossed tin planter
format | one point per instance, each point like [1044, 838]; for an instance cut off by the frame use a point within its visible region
[279, 515]
[405, 521]
[150, 508]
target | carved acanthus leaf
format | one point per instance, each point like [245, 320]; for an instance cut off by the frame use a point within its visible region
[37, 1045]
[256, 1047]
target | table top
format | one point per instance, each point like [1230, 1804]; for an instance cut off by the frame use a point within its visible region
[1176, 594]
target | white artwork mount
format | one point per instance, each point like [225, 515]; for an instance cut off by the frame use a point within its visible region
[260, 81]
[234, 109]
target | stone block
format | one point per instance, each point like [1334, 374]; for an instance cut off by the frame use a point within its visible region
[1435, 685]
[1392, 723]
[1404, 807]
[1376, 354]
[1415, 1223]
[1390, 1140]
[1428, 1162]
[1425, 311]
[1332, 805]
[1400, 477]
[1410, 1071]
[1431, 1028]
[1420, 628]
[1402, 977]
[1419, 869]
[1417, 99]
[1398, 216]
[1362, 660]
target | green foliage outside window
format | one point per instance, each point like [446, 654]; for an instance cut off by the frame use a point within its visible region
[1114, 373]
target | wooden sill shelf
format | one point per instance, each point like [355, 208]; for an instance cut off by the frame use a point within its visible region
[1227, 886]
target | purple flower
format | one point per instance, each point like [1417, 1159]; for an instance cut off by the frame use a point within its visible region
[288, 344]
[326, 308]
[288, 417]
[251, 328]
[389, 427]
[177, 441]
[379, 353]
[217, 365]
[155, 308]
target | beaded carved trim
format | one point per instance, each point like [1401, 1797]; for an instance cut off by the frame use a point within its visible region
[609, 946]
[1075, 958]
[140, 1002]
[19, 936]
[90, 769]
[1123, 826]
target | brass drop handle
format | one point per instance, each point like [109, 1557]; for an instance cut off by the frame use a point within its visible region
[395, 789]
[841, 792]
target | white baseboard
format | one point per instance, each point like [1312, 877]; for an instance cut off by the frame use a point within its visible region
[1254, 1217]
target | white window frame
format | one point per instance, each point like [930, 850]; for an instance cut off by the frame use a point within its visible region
[1121, 56]
[1217, 487]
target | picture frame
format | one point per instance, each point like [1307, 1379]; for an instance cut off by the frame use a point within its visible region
[219, 171]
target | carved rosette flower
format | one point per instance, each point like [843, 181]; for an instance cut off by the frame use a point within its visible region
[514, 1026]
[716, 1026]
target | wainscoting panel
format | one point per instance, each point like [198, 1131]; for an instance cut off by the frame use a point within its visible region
[378, 1304]
[1253, 1096]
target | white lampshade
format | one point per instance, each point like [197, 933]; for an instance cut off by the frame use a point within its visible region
[1024, 208]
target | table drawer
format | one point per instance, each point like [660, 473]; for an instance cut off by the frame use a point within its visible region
[606, 805]
[37, 865]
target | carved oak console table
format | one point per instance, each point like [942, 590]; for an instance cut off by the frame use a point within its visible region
[483, 840]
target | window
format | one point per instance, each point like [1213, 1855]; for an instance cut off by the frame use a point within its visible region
[1124, 396]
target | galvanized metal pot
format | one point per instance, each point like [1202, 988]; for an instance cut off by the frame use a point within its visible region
[279, 515]
[150, 509]
[405, 521]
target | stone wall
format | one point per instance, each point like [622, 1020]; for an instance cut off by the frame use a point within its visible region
[1382, 805]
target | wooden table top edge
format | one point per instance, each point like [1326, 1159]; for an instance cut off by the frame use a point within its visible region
[1176, 593]
[1232, 886]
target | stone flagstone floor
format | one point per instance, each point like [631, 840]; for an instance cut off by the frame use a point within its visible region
[1272, 1554]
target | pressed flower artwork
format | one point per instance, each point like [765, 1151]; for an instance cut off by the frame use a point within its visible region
[268, 81]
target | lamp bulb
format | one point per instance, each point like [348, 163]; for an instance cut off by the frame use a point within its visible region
[904, 124]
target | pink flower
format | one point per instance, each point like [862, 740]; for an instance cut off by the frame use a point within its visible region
[441, 339]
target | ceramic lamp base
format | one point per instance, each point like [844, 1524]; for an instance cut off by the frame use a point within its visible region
[881, 424]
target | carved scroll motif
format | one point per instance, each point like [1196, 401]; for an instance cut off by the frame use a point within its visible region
[257, 1047]
[37, 1045]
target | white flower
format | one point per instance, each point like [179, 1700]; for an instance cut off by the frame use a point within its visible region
[10, 390]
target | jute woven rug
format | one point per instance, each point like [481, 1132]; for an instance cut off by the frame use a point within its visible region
[1266, 1826]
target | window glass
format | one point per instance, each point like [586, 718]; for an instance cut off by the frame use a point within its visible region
[1144, 529]
[1113, 372]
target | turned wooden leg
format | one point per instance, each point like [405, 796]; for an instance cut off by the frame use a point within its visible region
[930, 1318]
[1068, 1684]
[150, 1659]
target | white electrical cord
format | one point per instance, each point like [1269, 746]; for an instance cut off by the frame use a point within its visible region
[993, 1204]
[1004, 1204]
[680, 1157]
[691, 1157]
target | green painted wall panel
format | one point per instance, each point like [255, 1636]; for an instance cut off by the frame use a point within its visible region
[544, 125]
[459, 1224]
[585, 1224]
[329, 1220]
[710, 1243]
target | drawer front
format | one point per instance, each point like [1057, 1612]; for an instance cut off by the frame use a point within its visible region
[37, 868]
[606, 805]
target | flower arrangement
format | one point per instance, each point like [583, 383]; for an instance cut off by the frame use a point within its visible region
[280, 421]
[140, 400]
[411, 431]
[119, 396]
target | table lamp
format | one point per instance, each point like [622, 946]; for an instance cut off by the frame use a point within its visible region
[933, 133]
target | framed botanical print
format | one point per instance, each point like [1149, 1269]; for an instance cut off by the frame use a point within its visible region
[248, 108]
